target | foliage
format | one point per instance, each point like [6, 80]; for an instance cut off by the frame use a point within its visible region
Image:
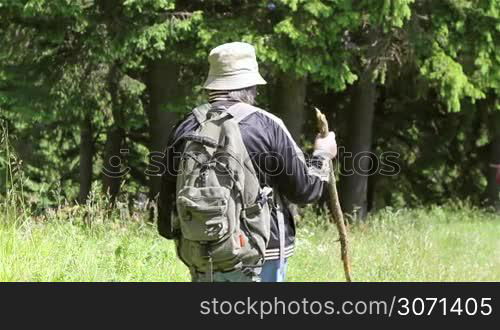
[65, 61]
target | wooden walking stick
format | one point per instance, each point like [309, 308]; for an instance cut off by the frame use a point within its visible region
[334, 203]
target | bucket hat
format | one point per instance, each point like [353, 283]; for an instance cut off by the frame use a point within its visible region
[233, 66]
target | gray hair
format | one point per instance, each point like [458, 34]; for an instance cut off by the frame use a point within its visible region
[245, 95]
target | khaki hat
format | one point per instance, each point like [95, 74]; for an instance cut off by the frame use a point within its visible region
[233, 66]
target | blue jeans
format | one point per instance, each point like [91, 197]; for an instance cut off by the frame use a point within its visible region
[271, 271]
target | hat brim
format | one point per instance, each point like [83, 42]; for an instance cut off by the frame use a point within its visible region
[232, 82]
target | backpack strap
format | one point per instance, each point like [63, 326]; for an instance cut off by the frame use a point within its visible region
[200, 113]
[240, 111]
[281, 229]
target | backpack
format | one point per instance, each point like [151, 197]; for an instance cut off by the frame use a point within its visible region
[222, 212]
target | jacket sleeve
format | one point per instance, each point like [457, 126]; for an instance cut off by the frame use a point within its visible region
[166, 200]
[300, 181]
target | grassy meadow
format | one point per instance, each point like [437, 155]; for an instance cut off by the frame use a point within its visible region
[453, 243]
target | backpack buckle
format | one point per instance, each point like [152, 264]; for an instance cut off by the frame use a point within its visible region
[253, 210]
[265, 197]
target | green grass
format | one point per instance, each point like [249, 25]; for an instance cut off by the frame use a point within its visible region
[433, 244]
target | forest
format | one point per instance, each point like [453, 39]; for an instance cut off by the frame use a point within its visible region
[93, 87]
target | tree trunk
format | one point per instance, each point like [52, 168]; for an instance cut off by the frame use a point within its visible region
[371, 189]
[288, 102]
[357, 159]
[86, 155]
[162, 85]
[113, 169]
[493, 187]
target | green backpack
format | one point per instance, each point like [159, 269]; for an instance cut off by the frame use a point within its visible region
[223, 213]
